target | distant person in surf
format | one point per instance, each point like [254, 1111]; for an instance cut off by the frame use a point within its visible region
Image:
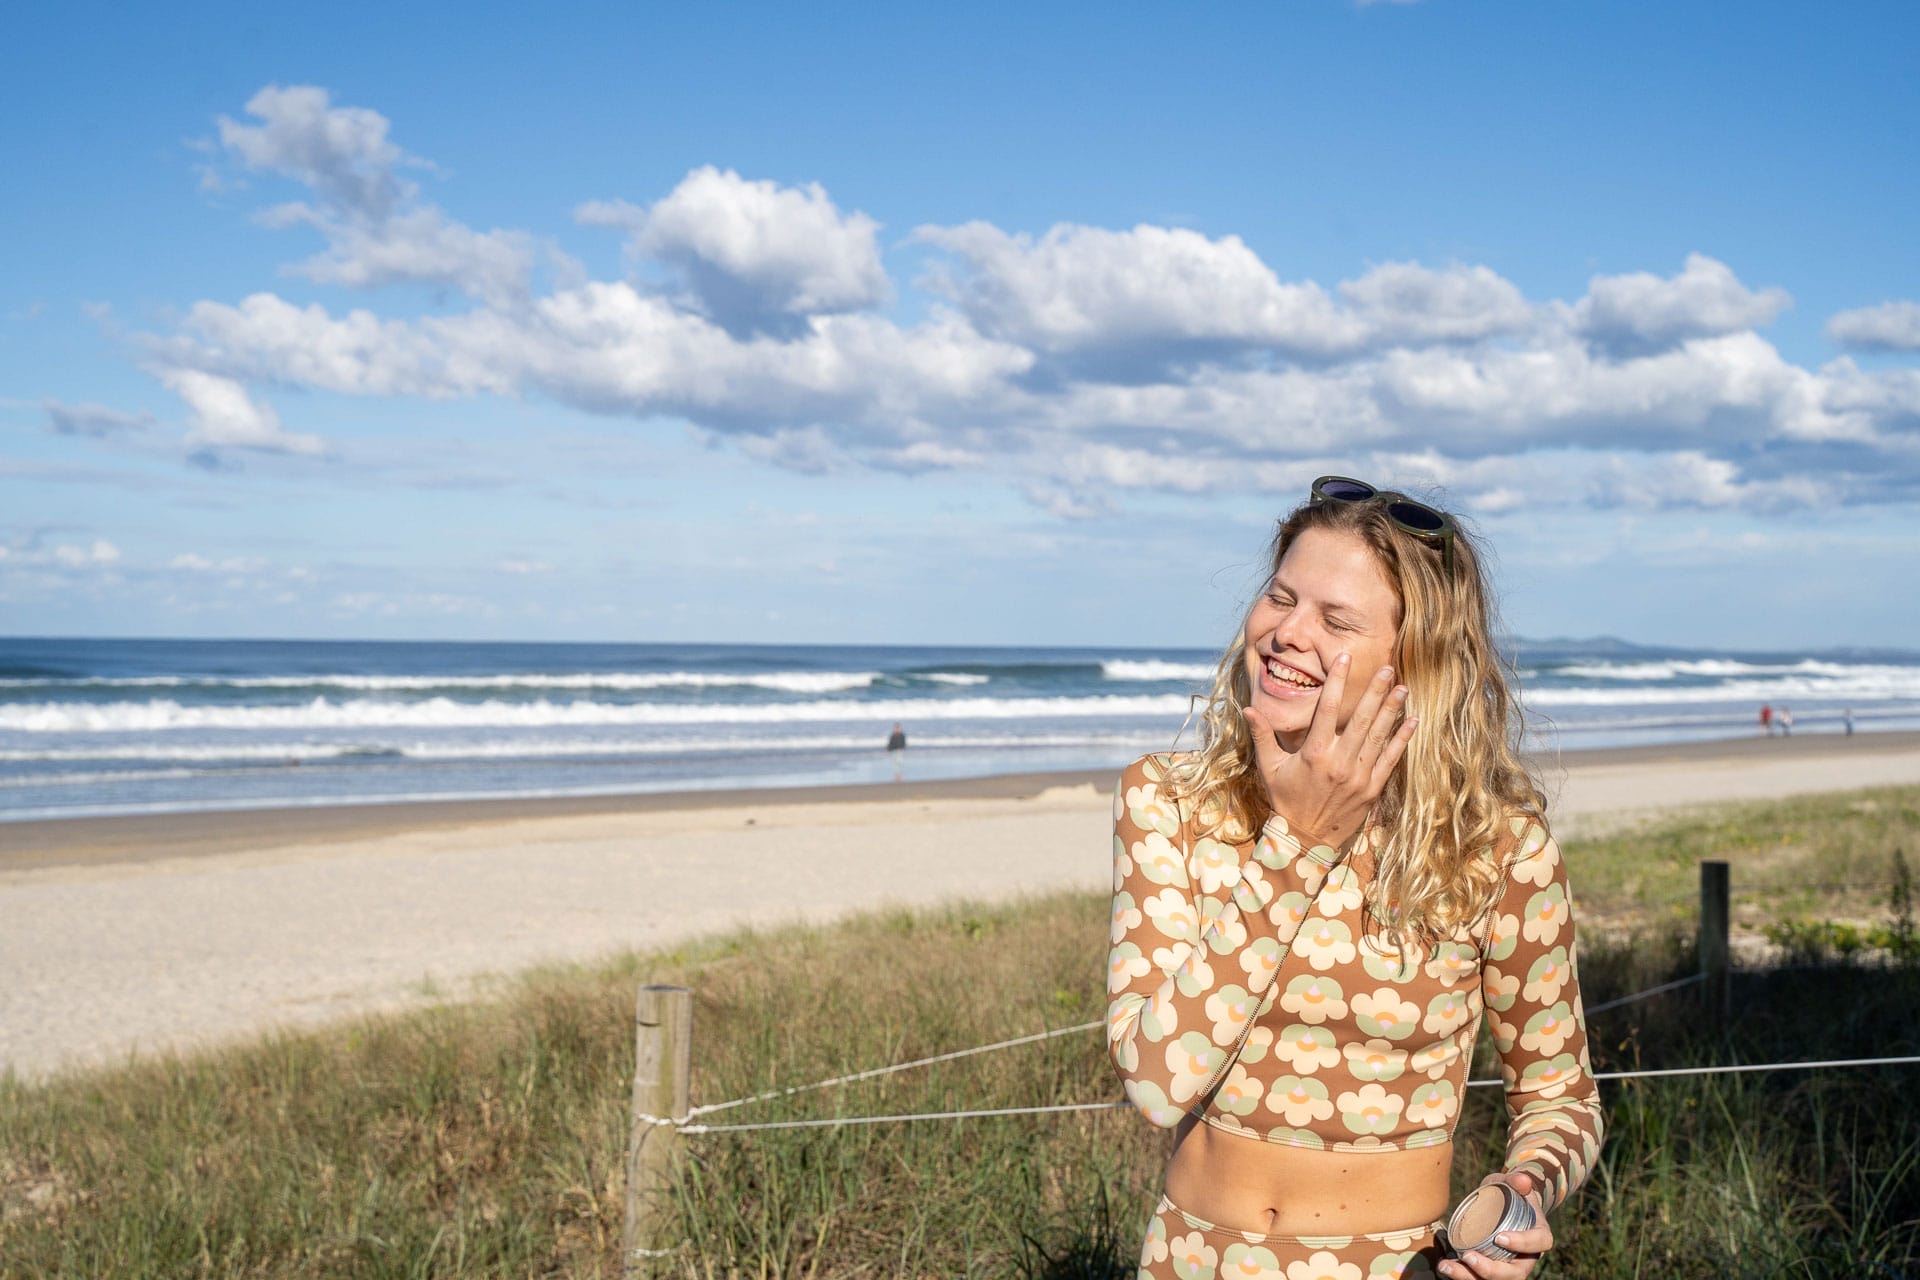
[1786, 722]
[1846, 718]
[1766, 719]
[897, 751]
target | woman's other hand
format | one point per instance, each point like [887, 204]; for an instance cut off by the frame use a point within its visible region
[1525, 1246]
[1326, 788]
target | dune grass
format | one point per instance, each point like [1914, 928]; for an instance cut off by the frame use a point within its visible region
[1801, 856]
[486, 1139]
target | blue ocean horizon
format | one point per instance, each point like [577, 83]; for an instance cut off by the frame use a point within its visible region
[94, 727]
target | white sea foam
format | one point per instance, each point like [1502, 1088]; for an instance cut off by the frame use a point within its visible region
[779, 681]
[508, 749]
[163, 714]
[956, 677]
[96, 778]
[260, 760]
[1900, 684]
[1155, 669]
[275, 752]
[1726, 668]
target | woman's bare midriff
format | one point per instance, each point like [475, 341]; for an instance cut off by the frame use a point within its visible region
[1244, 1183]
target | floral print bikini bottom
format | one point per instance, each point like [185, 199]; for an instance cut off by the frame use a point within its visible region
[1180, 1246]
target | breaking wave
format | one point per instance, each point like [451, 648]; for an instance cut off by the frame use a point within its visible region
[163, 714]
[1156, 669]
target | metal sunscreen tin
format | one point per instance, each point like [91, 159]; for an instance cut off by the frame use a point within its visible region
[1488, 1210]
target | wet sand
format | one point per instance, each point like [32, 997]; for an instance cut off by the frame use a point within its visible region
[133, 934]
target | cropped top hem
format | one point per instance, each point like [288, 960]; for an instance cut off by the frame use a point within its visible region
[1419, 1140]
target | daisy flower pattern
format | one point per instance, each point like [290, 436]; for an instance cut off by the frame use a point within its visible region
[1314, 999]
[1299, 1100]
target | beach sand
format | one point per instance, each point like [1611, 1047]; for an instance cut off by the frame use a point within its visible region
[122, 935]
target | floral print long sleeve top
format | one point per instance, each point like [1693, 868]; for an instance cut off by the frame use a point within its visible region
[1249, 983]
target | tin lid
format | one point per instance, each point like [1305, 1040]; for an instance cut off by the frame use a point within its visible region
[1479, 1215]
[1486, 1211]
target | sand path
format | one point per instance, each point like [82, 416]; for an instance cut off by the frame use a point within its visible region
[119, 948]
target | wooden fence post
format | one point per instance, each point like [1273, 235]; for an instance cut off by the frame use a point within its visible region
[663, 1057]
[1715, 955]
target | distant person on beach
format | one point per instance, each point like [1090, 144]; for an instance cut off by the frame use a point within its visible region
[1786, 722]
[1766, 719]
[897, 752]
[1312, 910]
[1846, 718]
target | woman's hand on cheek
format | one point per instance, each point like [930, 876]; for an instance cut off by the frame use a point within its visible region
[1327, 787]
[1526, 1246]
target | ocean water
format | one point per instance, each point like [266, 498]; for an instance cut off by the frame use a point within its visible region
[92, 727]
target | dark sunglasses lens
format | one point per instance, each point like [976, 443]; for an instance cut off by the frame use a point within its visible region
[1345, 490]
[1411, 515]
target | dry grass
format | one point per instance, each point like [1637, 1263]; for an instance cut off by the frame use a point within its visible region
[1827, 856]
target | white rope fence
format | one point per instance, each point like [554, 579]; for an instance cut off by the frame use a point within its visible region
[1035, 1038]
[1739, 1068]
[830, 1122]
[889, 1070]
[684, 1123]
[835, 1121]
[1675, 985]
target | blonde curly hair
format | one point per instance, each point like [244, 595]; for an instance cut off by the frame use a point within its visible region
[1451, 801]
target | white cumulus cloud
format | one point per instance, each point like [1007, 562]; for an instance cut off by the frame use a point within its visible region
[1086, 288]
[224, 416]
[1889, 326]
[1641, 312]
[343, 153]
[378, 231]
[1075, 364]
[754, 254]
[1409, 302]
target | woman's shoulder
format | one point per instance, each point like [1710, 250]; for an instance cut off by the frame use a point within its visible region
[1151, 785]
[1155, 769]
[1524, 850]
[1519, 831]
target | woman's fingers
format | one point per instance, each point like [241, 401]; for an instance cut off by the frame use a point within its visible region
[1375, 719]
[1327, 785]
[1478, 1266]
[1325, 726]
[1389, 757]
[1526, 1246]
[1531, 1242]
[1267, 750]
[1367, 711]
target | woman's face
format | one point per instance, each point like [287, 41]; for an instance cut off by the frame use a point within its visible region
[1328, 597]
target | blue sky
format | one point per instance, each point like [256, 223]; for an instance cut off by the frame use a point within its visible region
[999, 325]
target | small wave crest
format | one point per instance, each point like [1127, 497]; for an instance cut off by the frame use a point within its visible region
[1864, 689]
[814, 682]
[163, 714]
[1156, 669]
[1725, 669]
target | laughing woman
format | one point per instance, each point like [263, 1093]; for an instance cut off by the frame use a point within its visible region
[1313, 911]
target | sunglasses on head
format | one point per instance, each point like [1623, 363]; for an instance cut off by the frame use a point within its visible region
[1416, 518]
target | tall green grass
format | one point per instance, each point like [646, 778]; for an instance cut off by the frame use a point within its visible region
[1794, 857]
[486, 1139]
